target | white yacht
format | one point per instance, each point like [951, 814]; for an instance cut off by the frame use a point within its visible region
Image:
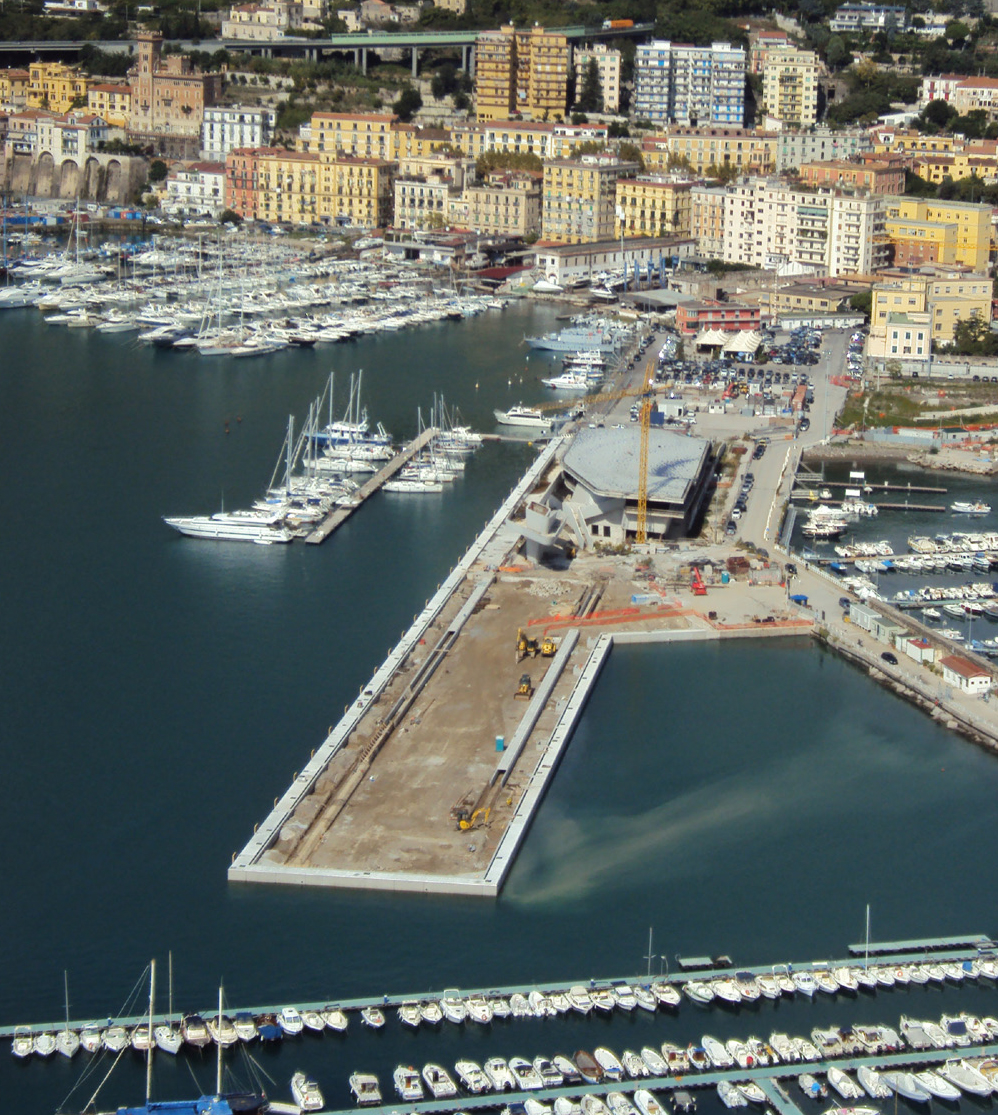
[975, 507]
[365, 1088]
[729, 1095]
[234, 526]
[527, 1078]
[646, 1103]
[500, 1077]
[472, 1077]
[290, 1021]
[306, 1093]
[529, 417]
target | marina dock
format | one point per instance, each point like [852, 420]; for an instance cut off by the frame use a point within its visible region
[340, 514]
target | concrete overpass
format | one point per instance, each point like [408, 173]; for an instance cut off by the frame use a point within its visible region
[359, 43]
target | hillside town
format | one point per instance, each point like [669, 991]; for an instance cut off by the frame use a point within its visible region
[754, 178]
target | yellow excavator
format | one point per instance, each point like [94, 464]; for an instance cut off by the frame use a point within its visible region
[526, 647]
[479, 817]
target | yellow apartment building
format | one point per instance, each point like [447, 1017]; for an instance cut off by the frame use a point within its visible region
[946, 298]
[111, 102]
[652, 205]
[358, 134]
[507, 203]
[790, 86]
[973, 236]
[521, 72]
[750, 151]
[56, 87]
[14, 88]
[579, 197]
[287, 186]
[356, 192]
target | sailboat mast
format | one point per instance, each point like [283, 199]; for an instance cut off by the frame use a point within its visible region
[291, 439]
[218, 1069]
[152, 993]
[866, 959]
[650, 928]
[171, 983]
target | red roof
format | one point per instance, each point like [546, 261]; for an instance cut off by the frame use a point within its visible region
[964, 667]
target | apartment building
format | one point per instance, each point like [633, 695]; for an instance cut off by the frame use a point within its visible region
[14, 89]
[356, 192]
[579, 197]
[868, 17]
[816, 145]
[607, 62]
[112, 101]
[423, 203]
[728, 317]
[869, 175]
[945, 295]
[678, 83]
[703, 150]
[973, 225]
[652, 205]
[227, 127]
[55, 87]
[958, 164]
[506, 203]
[360, 135]
[977, 94]
[938, 87]
[762, 44]
[520, 137]
[521, 72]
[768, 223]
[707, 220]
[264, 22]
[71, 135]
[197, 190]
[790, 86]
[287, 186]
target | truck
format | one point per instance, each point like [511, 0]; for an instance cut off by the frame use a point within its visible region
[617, 24]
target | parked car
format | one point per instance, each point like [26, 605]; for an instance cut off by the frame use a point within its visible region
[889, 658]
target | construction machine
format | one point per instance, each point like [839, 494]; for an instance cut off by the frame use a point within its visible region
[696, 583]
[526, 647]
[548, 647]
[525, 690]
[479, 817]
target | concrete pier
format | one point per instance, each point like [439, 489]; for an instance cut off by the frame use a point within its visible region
[339, 515]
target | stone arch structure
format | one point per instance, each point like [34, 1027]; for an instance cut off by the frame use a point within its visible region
[69, 179]
[92, 179]
[113, 182]
[44, 175]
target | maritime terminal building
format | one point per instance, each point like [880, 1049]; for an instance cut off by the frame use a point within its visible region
[599, 484]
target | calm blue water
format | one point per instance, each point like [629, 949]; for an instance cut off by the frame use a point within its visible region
[157, 693]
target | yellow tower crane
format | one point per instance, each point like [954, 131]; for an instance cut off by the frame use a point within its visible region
[641, 532]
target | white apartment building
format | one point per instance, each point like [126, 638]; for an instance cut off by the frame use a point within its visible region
[72, 136]
[696, 86]
[422, 204]
[707, 220]
[608, 63]
[867, 17]
[228, 127]
[769, 224]
[819, 145]
[266, 22]
[195, 191]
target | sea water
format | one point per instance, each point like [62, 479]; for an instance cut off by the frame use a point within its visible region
[157, 693]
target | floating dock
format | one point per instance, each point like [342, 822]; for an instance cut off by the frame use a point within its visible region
[340, 514]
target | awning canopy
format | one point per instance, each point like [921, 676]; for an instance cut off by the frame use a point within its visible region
[710, 338]
[745, 341]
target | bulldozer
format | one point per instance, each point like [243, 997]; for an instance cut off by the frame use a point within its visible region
[548, 647]
[525, 690]
[526, 647]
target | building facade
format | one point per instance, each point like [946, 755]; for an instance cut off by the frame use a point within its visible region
[652, 205]
[195, 191]
[945, 296]
[55, 87]
[790, 86]
[871, 176]
[579, 197]
[677, 83]
[973, 225]
[507, 203]
[267, 22]
[521, 73]
[111, 101]
[704, 150]
[607, 62]
[227, 127]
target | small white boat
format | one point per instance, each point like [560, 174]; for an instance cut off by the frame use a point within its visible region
[593, 1105]
[936, 1086]
[967, 507]
[500, 1077]
[90, 1038]
[645, 998]
[373, 1017]
[67, 1042]
[666, 994]
[439, 1081]
[479, 1009]
[608, 1062]
[454, 1007]
[811, 1087]
[551, 1076]
[245, 1026]
[115, 1038]
[472, 1077]
[905, 1084]
[965, 1077]
[634, 1065]
[169, 1039]
[719, 1056]
[306, 1093]
[654, 1060]
[527, 1078]
[580, 999]
[785, 1048]
[365, 1088]
[311, 1018]
[409, 1014]
[751, 1091]
[520, 1006]
[602, 999]
[290, 1021]
[730, 1096]
[335, 1019]
[23, 1044]
[623, 995]
[566, 1066]
[844, 1084]
[676, 1058]
[699, 991]
[874, 1087]
[430, 1012]
[408, 1083]
[804, 982]
[740, 1053]
[646, 1103]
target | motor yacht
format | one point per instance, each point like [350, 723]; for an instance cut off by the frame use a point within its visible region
[306, 1093]
[439, 1081]
[472, 1077]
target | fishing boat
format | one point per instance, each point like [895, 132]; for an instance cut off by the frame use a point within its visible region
[589, 1069]
[609, 1063]
[373, 1017]
[551, 1076]
[567, 1067]
[905, 1084]
[634, 1065]
[970, 507]
[306, 1093]
[365, 1088]
[751, 1091]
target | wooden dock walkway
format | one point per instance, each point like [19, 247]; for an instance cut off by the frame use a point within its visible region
[339, 515]
[808, 496]
[811, 478]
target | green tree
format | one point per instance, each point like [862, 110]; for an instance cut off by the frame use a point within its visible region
[591, 97]
[408, 104]
[157, 170]
[862, 302]
[973, 337]
[230, 217]
[444, 81]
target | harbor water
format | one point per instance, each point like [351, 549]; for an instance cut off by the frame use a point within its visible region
[158, 693]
